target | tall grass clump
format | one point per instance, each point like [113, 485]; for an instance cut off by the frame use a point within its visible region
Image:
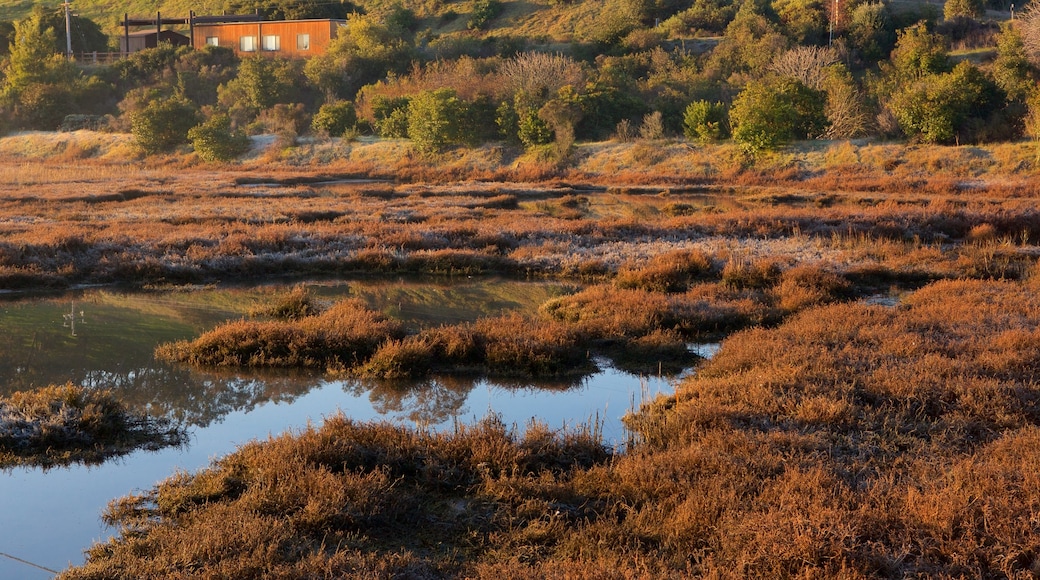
[62, 424]
[668, 272]
[295, 304]
[503, 346]
[348, 499]
[341, 337]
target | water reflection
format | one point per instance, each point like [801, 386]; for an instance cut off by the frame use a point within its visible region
[105, 339]
[440, 399]
[56, 514]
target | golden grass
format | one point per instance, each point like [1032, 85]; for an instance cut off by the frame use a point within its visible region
[64, 424]
[851, 441]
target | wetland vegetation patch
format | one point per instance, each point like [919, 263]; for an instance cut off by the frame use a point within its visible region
[63, 424]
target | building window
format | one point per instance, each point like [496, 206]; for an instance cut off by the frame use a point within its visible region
[247, 44]
[212, 41]
[303, 42]
[271, 42]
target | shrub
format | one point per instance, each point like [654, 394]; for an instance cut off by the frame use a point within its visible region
[335, 118]
[938, 108]
[434, 120]
[705, 122]
[770, 113]
[162, 124]
[215, 140]
[483, 12]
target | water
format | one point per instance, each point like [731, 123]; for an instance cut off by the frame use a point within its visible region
[105, 338]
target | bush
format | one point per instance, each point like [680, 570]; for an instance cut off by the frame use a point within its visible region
[215, 140]
[335, 118]
[941, 108]
[483, 12]
[705, 122]
[768, 114]
[163, 124]
[434, 120]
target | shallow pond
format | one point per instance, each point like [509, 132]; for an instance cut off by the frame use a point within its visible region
[105, 338]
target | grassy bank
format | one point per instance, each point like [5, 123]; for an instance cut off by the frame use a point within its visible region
[853, 440]
[60, 425]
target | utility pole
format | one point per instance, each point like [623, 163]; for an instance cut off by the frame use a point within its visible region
[68, 31]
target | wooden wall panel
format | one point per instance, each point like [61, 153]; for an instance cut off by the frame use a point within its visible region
[229, 35]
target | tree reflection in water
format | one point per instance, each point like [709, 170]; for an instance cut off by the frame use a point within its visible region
[438, 399]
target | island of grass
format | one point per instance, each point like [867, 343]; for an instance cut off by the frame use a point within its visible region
[65, 424]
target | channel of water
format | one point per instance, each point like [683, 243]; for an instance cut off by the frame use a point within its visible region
[105, 338]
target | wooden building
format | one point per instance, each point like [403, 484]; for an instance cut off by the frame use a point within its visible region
[142, 39]
[289, 38]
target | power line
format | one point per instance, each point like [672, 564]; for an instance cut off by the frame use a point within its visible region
[28, 563]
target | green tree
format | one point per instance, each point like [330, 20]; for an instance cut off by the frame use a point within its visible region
[772, 112]
[870, 30]
[705, 122]
[215, 140]
[953, 9]
[291, 9]
[751, 42]
[6, 37]
[34, 58]
[803, 21]
[40, 86]
[483, 12]
[435, 120]
[269, 81]
[919, 53]
[941, 108]
[163, 124]
[562, 113]
[1012, 71]
[335, 118]
[363, 53]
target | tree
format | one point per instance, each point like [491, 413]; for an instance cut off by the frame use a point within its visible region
[806, 64]
[215, 140]
[749, 45]
[940, 108]
[1012, 71]
[919, 53]
[847, 114]
[6, 37]
[363, 53]
[162, 124]
[772, 112]
[870, 30]
[1028, 26]
[803, 21]
[34, 58]
[562, 113]
[41, 87]
[953, 9]
[292, 9]
[434, 120]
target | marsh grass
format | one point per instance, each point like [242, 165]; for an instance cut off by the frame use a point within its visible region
[852, 440]
[347, 499]
[339, 338]
[61, 425]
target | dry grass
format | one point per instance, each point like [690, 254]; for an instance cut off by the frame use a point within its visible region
[851, 441]
[828, 438]
[60, 425]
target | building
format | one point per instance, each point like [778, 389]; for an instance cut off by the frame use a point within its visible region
[142, 39]
[289, 38]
